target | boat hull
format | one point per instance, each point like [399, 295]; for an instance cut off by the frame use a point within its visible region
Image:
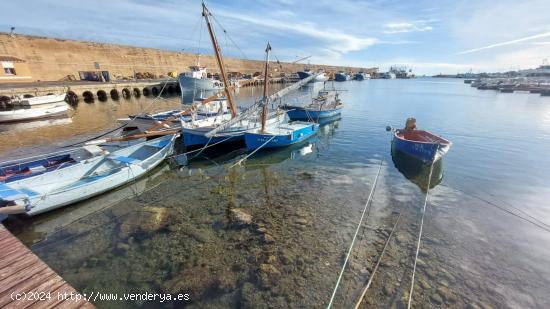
[33, 113]
[78, 182]
[422, 150]
[47, 99]
[305, 114]
[256, 140]
[190, 83]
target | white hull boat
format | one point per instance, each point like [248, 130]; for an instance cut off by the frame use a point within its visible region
[33, 113]
[84, 179]
[46, 99]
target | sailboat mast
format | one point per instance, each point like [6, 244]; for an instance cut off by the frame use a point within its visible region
[266, 82]
[219, 59]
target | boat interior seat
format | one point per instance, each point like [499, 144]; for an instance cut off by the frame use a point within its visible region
[161, 144]
[8, 193]
[123, 159]
[95, 150]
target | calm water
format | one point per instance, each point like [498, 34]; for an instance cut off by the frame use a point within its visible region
[174, 231]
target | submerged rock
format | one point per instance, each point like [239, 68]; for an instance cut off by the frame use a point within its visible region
[268, 275]
[195, 281]
[240, 216]
[436, 299]
[147, 220]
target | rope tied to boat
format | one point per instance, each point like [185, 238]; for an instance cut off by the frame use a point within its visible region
[355, 235]
[252, 153]
[369, 282]
[420, 233]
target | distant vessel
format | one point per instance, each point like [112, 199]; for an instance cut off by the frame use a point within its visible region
[341, 76]
[197, 79]
[321, 76]
[388, 75]
[401, 72]
[45, 99]
[362, 76]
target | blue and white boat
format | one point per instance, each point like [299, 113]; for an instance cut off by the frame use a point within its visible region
[280, 135]
[81, 178]
[277, 134]
[420, 144]
[326, 104]
[341, 76]
[320, 77]
[362, 76]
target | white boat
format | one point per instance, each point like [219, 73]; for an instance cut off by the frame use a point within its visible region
[45, 99]
[197, 79]
[23, 114]
[213, 109]
[80, 180]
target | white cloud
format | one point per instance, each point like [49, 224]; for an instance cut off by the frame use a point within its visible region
[404, 27]
[334, 40]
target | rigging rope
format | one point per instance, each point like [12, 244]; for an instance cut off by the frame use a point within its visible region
[420, 234]
[355, 236]
[377, 264]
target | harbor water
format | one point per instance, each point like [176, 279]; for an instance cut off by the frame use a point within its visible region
[274, 231]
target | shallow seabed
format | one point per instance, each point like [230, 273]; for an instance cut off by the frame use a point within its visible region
[485, 230]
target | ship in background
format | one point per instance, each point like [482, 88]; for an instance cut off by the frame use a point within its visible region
[401, 72]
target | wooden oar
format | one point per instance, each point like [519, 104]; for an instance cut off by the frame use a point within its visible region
[12, 210]
[134, 136]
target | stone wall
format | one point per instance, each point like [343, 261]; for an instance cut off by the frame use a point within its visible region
[52, 59]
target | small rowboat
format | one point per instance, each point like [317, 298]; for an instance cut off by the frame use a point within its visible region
[420, 144]
[81, 180]
[33, 113]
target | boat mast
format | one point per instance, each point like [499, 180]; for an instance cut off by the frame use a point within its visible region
[266, 82]
[219, 59]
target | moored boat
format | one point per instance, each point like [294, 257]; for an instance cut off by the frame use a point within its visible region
[326, 104]
[420, 144]
[277, 134]
[83, 179]
[24, 114]
[39, 100]
[197, 78]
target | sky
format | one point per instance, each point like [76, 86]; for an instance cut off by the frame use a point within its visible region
[429, 37]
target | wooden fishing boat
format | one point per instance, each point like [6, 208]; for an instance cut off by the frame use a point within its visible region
[39, 100]
[326, 104]
[25, 114]
[201, 109]
[277, 134]
[420, 144]
[418, 171]
[79, 180]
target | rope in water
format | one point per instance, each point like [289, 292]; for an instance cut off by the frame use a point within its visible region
[253, 152]
[536, 222]
[355, 236]
[377, 264]
[420, 234]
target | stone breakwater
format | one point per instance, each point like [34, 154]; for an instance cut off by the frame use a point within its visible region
[51, 59]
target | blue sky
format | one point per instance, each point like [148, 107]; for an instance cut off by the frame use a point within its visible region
[428, 36]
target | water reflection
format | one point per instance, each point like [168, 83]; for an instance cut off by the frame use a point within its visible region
[416, 170]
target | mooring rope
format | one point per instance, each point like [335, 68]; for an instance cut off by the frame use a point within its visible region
[420, 234]
[253, 152]
[377, 264]
[355, 235]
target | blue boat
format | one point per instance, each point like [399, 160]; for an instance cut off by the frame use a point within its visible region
[281, 135]
[326, 104]
[341, 77]
[420, 144]
[362, 76]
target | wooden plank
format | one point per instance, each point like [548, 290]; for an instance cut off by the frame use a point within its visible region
[25, 286]
[21, 271]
